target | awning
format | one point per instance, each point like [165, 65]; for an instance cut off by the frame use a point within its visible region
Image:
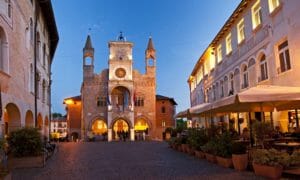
[194, 111]
[260, 98]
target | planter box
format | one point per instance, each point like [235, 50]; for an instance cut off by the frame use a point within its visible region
[190, 151]
[26, 162]
[184, 147]
[210, 158]
[199, 154]
[240, 161]
[272, 172]
[224, 162]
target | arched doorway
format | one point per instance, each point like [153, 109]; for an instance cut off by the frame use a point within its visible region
[121, 130]
[12, 118]
[99, 127]
[120, 98]
[46, 127]
[40, 122]
[29, 122]
[141, 128]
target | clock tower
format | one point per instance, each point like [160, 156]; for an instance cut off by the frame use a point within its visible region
[120, 84]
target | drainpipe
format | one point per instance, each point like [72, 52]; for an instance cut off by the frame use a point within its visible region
[36, 10]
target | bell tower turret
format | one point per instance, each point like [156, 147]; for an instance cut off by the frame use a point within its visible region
[88, 58]
[150, 57]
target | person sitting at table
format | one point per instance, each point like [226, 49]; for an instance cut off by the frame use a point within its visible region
[245, 134]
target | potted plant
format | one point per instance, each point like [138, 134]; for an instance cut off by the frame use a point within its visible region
[269, 163]
[210, 150]
[239, 156]
[261, 131]
[223, 150]
[196, 139]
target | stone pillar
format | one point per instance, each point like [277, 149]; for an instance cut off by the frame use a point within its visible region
[109, 135]
[132, 134]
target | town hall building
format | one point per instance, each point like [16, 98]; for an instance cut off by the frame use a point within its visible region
[119, 102]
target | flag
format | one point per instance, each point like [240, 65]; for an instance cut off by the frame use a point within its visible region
[0, 104]
[108, 99]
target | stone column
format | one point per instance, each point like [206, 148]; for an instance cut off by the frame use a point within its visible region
[132, 134]
[109, 135]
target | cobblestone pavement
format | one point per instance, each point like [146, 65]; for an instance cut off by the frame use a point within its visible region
[126, 160]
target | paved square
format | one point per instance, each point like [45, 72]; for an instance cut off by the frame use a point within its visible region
[126, 160]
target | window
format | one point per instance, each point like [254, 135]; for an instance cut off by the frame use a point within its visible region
[31, 79]
[228, 44]
[241, 31]
[31, 30]
[284, 56]
[44, 91]
[101, 101]
[256, 14]
[44, 55]
[222, 89]
[231, 90]
[263, 68]
[38, 76]
[219, 53]
[38, 46]
[245, 77]
[3, 52]
[139, 101]
[214, 93]
[163, 109]
[273, 4]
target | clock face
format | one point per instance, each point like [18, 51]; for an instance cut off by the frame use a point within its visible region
[121, 53]
[120, 72]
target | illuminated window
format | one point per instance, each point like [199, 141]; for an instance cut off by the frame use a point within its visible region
[219, 53]
[228, 44]
[256, 14]
[273, 4]
[241, 31]
[284, 56]
[263, 68]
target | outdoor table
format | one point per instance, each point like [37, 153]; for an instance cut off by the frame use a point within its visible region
[290, 146]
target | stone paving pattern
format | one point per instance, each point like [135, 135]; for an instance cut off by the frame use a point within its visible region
[126, 160]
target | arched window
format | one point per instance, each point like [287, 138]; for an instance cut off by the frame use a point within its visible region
[245, 77]
[221, 89]
[44, 55]
[3, 51]
[231, 86]
[31, 79]
[263, 68]
[38, 46]
[44, 91]
[31, 30]
[163, 109]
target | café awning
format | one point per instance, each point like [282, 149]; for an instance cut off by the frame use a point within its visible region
[260, 98]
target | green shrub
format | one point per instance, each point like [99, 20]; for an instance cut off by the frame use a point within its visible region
[271, 157]
[197, 138]
[210, 146]
[261, 131]
[238, 148]
[25, 142]
[223, 146]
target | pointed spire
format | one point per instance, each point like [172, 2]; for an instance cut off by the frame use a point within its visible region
[88, 43]
[150, 44]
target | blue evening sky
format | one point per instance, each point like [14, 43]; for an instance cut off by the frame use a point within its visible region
[181, 30]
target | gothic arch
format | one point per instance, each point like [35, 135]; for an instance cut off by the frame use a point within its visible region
[119, 118]
[12, 117]
[146, 119]
[29, 121]
[40, 122]
[4, 58]
[95, 118]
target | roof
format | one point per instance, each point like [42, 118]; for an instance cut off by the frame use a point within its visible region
[88, 43]
[160, 97]
[240, 8]
[150, 44]
[74, 98]
[47, 10]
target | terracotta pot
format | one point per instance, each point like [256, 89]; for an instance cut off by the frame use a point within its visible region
[224, 162]
[179, 148]
[210, 158]
[272, 172]
[184, 147]
[191, 151]
[240, 161]
[199, 154]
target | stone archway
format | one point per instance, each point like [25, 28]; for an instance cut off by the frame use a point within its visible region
[46, 126]
[12, 118]
[29, 122]
[40, 122]
[99, 127]
[120, 129]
